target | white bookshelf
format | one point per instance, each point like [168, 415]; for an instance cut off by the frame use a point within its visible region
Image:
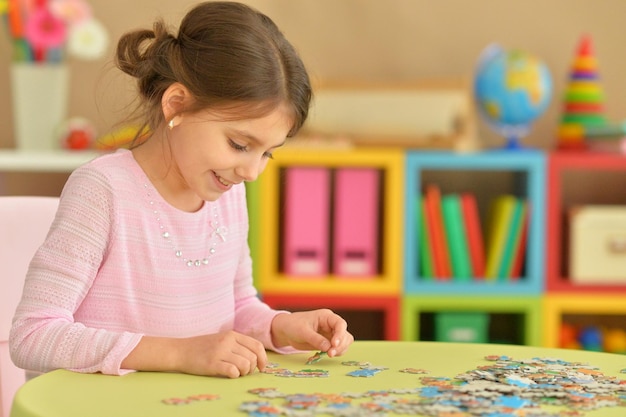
[61, 161]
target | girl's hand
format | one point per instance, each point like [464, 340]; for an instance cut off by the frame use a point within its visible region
[227, 354]
[312, 330]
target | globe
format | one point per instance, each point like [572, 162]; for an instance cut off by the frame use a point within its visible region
[512, 88]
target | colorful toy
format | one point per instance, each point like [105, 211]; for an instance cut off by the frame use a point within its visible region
[583, 109]
[76, 134]
[591, 338]
[595, 338]
[568, 337]
[615, 340]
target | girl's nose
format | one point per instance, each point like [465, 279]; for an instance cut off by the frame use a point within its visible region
[251, 169]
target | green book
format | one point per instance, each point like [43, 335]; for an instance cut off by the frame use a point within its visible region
[425, 254]
[456, 237]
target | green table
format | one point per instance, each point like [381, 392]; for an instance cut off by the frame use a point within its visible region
[68, 394]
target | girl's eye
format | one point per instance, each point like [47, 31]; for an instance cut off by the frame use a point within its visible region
[242, 148]
[237, 146]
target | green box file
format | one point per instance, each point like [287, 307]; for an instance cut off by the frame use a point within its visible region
[528, 308]
[470, 327]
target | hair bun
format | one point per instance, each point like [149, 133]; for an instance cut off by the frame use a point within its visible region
[226, 54]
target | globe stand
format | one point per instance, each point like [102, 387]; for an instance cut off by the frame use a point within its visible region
[513, 135]
[513, 144]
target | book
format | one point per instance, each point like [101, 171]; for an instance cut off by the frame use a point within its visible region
[456, 238]
[474, 234]
[436, 233]
[424, 244]
[500, 215]
[512, 239]
[520, 253]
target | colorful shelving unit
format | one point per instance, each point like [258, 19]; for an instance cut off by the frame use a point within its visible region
[519, 172]
[401, 304]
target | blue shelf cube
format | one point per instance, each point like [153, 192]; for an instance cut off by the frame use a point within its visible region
[527, 167]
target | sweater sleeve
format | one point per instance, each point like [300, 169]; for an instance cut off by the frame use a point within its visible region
[44, 335]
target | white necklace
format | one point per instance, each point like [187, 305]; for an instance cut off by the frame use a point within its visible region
[218, 235]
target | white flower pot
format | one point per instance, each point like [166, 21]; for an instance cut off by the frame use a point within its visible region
[40, 101]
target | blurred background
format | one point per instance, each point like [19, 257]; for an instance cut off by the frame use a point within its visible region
[378, 41]
[392, 42]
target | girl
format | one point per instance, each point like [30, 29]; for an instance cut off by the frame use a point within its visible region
[146, 266]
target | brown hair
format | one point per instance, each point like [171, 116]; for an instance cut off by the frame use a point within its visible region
[227, 54]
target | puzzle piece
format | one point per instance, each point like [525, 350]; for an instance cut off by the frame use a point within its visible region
[316, 358]
[415, 371]
[363, 372]
[303, 373]
[190, 399]
[356, 363]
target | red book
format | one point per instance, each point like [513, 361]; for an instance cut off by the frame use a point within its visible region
[437, 234]
[474, 233]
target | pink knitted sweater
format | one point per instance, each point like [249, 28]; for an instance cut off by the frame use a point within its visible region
[114, 267]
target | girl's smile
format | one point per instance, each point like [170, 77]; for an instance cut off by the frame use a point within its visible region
[222, 181]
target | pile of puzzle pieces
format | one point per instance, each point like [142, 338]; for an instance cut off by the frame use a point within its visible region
[504, 387]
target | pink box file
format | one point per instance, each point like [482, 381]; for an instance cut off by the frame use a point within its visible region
[307, 221]
[356, 222]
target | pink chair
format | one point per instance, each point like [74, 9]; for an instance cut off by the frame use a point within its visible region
[24, 223]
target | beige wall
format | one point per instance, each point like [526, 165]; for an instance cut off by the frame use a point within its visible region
[380, 40]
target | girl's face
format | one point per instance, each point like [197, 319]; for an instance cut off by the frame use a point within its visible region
[211, 153]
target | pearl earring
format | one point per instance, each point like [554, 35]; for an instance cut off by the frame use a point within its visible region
[170, 125]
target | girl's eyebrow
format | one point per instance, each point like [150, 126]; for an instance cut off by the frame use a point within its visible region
[258, 141]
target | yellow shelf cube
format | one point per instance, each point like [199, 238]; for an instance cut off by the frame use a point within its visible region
[557, 305]
[389, 279]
